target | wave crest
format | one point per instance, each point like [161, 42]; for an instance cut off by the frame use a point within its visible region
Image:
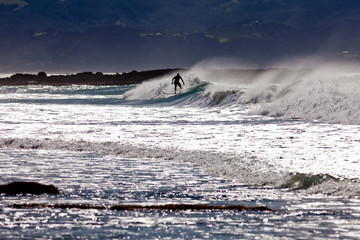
[328, 97]
[320, 94]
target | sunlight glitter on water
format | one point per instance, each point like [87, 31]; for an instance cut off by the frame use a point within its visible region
[86, 178]
[95, 179]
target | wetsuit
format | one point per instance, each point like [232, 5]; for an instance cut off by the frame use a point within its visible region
[176, 81]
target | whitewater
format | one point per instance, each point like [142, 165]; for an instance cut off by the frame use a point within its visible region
[285, 139]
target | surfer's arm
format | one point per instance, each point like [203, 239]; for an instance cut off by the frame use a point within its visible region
[182, 80]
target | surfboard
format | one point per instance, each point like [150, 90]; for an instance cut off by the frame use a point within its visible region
[171, 93]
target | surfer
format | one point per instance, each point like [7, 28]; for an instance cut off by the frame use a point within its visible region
[176, 81]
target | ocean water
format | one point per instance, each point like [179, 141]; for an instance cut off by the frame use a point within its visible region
[286, 140]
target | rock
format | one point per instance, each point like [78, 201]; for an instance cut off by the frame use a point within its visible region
[42, 74]
[192, 207]
[28, 188]
[166, 207]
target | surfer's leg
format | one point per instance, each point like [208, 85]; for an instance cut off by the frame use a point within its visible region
[177, 84]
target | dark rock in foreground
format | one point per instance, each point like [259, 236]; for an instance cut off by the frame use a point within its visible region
[166, 207]
[28, 188]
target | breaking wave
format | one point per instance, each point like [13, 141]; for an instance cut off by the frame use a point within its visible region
[322, 94]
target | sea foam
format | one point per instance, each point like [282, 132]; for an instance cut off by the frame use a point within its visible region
[310, 94]
[244, 167]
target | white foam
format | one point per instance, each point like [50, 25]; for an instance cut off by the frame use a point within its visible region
[327, 94]
[244, 167]
[331, 97]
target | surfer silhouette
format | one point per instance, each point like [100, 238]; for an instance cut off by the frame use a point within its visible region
[176, 81]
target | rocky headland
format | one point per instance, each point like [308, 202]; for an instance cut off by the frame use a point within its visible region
[84, 78]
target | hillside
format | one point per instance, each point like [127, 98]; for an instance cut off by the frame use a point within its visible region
[111, 35]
